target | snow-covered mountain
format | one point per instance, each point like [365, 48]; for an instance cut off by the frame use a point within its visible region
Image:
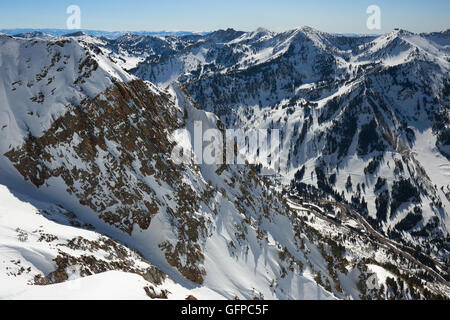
[91, 192]
[365, 119]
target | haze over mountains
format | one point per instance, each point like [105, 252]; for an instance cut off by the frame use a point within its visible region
[358, 207]
[95, 33]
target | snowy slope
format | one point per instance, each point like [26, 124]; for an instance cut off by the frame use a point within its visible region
[67, 72]
[31, 244]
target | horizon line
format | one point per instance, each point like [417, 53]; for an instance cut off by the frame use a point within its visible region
[27, 30]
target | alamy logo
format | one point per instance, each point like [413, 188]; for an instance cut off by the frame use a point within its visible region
[372, 282]
[374, 20]
[213, 146]
[74, 20]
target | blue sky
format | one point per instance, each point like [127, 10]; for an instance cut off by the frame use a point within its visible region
[342, 16]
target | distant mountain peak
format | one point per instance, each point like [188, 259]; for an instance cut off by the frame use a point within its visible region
[225, 35]
[309, 29]
[77, 34]
[262, 30]
[401, 32]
